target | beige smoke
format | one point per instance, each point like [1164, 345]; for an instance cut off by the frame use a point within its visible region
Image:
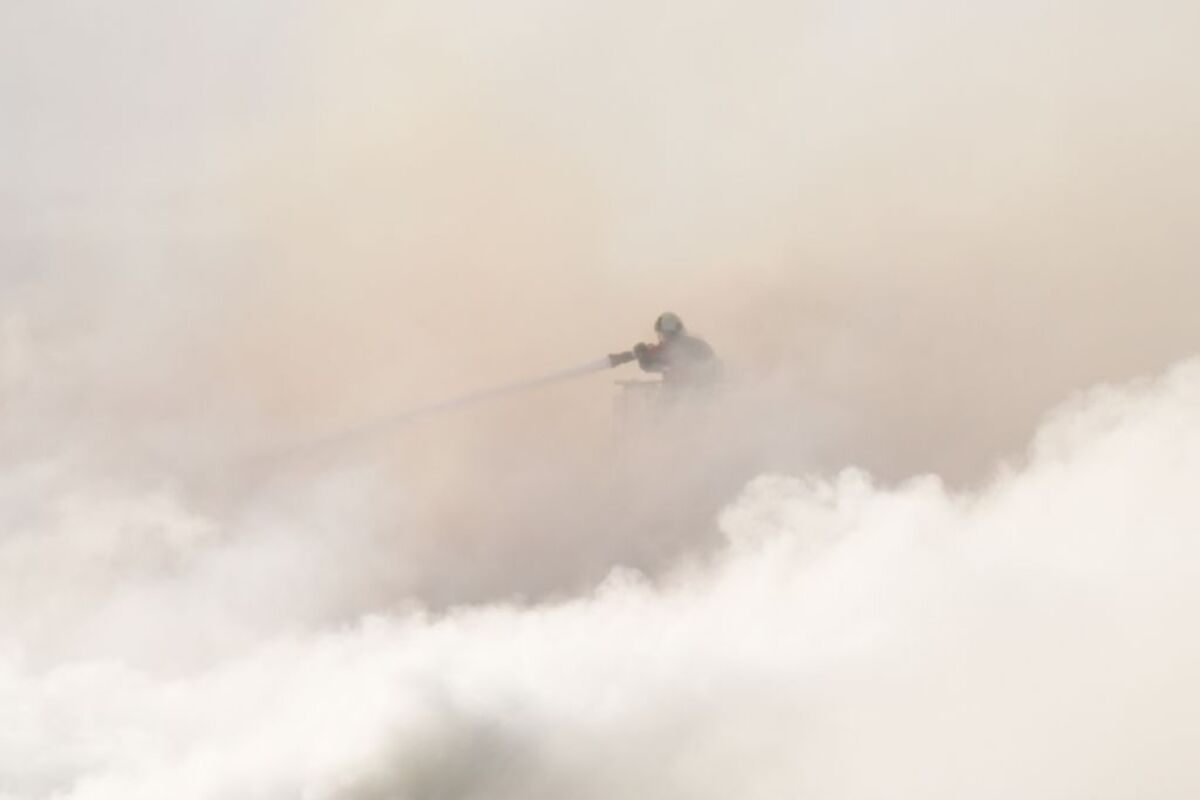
[906, 231]
[912, 232]
[227, 231]
[898, 211]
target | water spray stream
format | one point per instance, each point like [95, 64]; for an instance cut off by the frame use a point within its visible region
[380, 426]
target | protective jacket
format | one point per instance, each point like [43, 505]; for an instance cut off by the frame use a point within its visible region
[682, 359]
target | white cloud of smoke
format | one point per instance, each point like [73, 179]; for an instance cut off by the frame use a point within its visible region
[907, 229]
[1032, 639]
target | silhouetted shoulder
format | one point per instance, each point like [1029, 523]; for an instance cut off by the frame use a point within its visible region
[696, 348]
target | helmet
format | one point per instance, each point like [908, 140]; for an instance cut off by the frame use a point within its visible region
[668, 324]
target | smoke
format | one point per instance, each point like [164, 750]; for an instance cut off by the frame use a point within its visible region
[228, 233]
[849, 640]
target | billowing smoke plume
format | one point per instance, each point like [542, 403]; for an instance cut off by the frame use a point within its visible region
[1033, 639]
[228, 233]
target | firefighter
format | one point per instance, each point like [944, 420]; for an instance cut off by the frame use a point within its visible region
[681, 358]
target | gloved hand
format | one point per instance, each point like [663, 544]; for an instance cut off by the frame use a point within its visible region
[617, 359]
[644, 353]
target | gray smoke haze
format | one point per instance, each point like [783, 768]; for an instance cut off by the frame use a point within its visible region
[229, 230]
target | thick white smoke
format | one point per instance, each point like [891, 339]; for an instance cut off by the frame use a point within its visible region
[1033, 639]
[228, 228]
